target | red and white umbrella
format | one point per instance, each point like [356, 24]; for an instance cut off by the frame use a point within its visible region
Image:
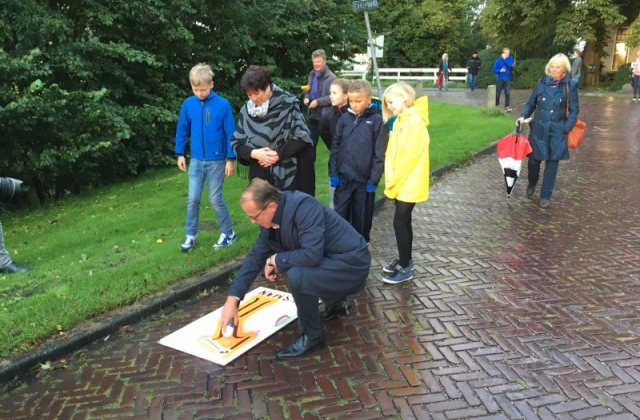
[511, 150]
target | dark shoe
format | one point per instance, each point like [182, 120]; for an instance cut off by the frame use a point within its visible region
[301, 347]
[530, 190]
[14, 268]
[337, 309]
[545, 202]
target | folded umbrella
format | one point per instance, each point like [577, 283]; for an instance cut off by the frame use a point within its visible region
[511, 150]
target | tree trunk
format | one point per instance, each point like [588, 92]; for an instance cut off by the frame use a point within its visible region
[591, 57]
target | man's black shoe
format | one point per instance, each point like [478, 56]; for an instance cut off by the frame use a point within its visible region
[301, 347]
[14, 268]
[336, 309]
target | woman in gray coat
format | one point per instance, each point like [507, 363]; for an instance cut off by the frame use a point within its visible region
[551, 123]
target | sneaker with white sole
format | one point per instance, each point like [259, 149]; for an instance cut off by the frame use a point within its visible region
[392, 267]
[189, 243]
[225, 240]
[398, 276]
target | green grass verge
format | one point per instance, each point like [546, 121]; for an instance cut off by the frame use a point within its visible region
[113, 246]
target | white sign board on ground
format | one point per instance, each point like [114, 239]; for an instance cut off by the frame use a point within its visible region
[262, 312]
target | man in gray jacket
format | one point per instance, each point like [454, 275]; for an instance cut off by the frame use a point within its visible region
[323, 256]
[576, 66]
[6, 265]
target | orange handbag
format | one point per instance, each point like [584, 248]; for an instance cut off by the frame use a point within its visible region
[575, 136]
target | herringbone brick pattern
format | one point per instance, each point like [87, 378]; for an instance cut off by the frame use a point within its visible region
[515, 312]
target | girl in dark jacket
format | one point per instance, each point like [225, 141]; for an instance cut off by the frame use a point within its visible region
[550, 125]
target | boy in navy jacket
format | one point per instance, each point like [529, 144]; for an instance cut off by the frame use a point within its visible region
[356, 162]
[206, 119]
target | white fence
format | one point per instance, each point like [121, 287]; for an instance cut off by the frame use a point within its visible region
[459, 74]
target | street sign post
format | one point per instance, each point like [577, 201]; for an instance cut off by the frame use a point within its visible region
[364, 6]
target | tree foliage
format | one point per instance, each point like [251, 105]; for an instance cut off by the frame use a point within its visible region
[90, 91]
[418, 32]
[526, 24]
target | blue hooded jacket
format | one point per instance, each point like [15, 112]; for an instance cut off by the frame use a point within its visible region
[210, 124]
[505, 63]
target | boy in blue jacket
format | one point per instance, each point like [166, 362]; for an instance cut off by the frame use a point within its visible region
[356, 162]
[207, 120]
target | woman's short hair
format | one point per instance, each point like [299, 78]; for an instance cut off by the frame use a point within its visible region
[445, 56]
[256, 78]
[559, 60]
[402, 89]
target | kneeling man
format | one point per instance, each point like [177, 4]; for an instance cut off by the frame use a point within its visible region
[323, 255]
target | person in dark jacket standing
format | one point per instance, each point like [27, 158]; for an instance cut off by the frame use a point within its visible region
[319, 103]
[320, 252]
[271, 133]
[339, 94]
[473, 67]
[550, 125]
[356, 163]
[207, 120]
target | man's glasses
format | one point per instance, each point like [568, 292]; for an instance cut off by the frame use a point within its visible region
[255, 218]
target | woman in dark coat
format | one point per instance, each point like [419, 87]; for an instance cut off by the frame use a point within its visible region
[271, 133]
[551, 123]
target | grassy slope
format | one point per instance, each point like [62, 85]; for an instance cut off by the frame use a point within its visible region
[113, 246]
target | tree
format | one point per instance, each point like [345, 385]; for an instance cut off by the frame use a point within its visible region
[418, 32]
[528, 23]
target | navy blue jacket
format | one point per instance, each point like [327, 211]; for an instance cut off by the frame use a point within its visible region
[358, 147]
[335, 258]
[209, 124]
[549, 127]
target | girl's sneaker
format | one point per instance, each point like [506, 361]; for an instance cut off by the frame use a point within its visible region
[398, 276]
[392, 267]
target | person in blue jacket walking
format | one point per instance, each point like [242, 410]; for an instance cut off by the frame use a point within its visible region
[503, 68]
[207, 120]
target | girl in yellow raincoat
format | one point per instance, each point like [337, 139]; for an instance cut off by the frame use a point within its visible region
[406, 169]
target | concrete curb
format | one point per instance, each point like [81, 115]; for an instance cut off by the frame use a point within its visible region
[96, 329]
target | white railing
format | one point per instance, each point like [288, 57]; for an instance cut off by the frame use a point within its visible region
[354, 73]
[459, 74]
[421, 74]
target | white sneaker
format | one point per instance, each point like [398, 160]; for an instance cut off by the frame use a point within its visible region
[225, 240]
[634, 99]
[189, 242]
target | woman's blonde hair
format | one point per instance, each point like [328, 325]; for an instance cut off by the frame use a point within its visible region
[445, 56]
[401, 89]
[561, 60]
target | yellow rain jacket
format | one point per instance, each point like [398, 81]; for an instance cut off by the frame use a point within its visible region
[406, 164]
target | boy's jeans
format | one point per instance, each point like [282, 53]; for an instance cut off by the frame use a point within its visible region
[472, 81]
[213, 172]
[5, 259]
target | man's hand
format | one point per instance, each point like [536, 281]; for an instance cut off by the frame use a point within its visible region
[270, 269]
[230, 168]
[313, 104]
[182, 164]
[229, 313]
[306, 101]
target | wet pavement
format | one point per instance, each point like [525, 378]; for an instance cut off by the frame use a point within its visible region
[514, 312]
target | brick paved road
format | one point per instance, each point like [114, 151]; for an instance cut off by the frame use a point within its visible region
[515, 312]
